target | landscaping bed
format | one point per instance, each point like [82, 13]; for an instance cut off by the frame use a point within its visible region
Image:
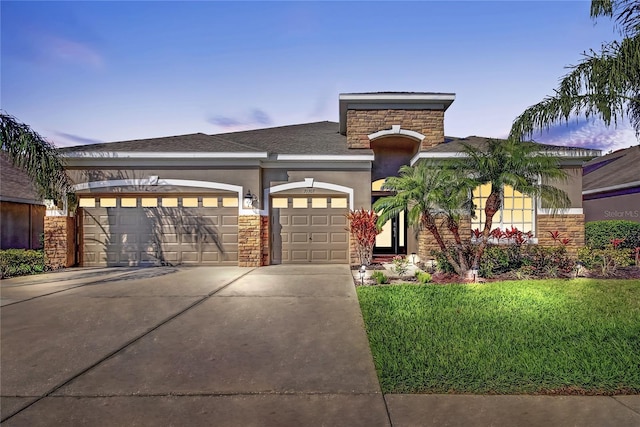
[579, 336]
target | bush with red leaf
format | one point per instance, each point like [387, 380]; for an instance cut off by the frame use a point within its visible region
[363, 230]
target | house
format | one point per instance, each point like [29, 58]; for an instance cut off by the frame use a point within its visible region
[22, 210]
[611, 186]
[276, 195]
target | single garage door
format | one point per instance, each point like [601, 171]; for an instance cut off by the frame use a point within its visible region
[159, 230]
[309, 229]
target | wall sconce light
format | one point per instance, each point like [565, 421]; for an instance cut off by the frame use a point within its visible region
[250, 200]
[362, 272]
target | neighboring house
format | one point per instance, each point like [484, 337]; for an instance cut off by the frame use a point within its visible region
[611, 186]
[277, 195]
[22, 211]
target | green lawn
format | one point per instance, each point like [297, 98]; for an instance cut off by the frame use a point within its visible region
[546, 336]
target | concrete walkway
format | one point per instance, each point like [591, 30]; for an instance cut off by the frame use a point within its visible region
[225, 346]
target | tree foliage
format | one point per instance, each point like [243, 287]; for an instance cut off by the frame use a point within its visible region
[363, 230]
[604, 84]
[436, 195]
[38, 158]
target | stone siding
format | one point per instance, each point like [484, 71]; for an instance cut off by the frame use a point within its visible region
[249, 241]
[265, 235]
[569, 226]
[361, 123]
[59, 241]
[427, 243]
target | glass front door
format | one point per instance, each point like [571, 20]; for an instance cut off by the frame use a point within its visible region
[392, 240]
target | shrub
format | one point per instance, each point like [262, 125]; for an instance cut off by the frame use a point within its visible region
[379, 277]
[20, 262]
[400, 265]
[423, 277]
[498, 259]
[548, 261]
[607, 260]
[599, 234]
[363, 230]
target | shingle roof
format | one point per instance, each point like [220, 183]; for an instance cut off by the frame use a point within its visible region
[195, 142]
[15, 185]
[617, 168]
[310, 138]
[455, 145]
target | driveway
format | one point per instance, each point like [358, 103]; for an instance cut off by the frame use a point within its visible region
[278, 345]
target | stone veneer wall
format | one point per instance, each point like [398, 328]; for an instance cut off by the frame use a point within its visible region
[361, 123]
[249, 241]
[264, 233]
[427, 243]
[59, 241]
[569, 226]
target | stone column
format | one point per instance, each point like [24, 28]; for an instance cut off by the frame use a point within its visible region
[249, 241]
[59, 241]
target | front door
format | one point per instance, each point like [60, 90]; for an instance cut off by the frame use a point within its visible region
[393, 238]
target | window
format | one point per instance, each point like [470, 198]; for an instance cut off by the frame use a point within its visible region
[517, 209]
[87, 202]
[230, 202]
[149, 202]
[128, 202]
[169, 202]
[108, 202]
[280, 202]
[189, 202]
[209, 202]
[299, 202]
[338, 202]
[318, 202]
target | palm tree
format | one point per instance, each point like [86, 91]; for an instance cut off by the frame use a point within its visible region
[604, 84]
[432, 196]
[37, 157]
[520, 165]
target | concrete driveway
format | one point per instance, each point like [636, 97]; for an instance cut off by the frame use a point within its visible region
[279, 345]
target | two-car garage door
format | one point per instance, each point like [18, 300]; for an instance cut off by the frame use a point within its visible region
[159, 230]
[309, 229]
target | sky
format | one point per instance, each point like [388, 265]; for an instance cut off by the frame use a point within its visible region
[82, 72]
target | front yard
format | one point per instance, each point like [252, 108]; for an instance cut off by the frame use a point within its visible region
[577, 336]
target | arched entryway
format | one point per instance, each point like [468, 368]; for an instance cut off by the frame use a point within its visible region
[392, 151]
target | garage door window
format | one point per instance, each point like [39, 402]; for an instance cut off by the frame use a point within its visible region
[128, 202]
[230, 202]
[319, 203]
[169, 202]
[108, 202]
[280, 203]
[88, 202]
[209, 202]
[299, 203]
[148, 202]
[189, 202]
[338, 203]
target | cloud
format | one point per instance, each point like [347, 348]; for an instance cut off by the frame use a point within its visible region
[63, 49]
[590, 134]
[70, 140]
[255, 117]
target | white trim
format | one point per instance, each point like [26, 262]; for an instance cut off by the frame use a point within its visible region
[307, 183]
[164, 155]
[437, 155]
[612, 187]
[397, 96]
[396, 130]
[568, 211]
[154, 181]
[326, 157]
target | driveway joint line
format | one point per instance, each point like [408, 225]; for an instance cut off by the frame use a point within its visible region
[221, 394]
[125, 345]
[625, 405]
[67, 289]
